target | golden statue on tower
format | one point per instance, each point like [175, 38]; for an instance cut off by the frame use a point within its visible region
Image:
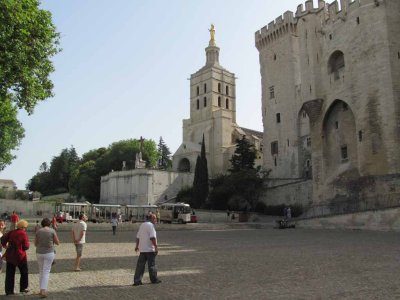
[212, 35]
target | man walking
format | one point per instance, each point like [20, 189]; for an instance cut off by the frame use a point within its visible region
[146, 243]
[79, 238]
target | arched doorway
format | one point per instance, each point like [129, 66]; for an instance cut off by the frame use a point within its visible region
[184, 165]
[339, 140]
[304, 144]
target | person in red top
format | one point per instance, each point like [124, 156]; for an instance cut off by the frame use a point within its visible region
[54, 222]
[14, 220]
[16, 242]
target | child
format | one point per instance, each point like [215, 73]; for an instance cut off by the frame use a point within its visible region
[37, 227]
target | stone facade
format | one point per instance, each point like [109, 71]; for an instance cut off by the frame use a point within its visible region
[331, 96]
[212, 114]
[142, 186]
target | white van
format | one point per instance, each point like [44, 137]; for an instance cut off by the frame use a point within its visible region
[175, 212]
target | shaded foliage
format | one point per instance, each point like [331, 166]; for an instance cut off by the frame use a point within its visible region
[200, 182]
[28, 39]
[185, 195]
[81, 177]
[244, 156]
[164, 160]
[239, 190]
[11, 132]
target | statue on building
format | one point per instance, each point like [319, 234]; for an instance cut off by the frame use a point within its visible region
[212, 35]
[139, 162]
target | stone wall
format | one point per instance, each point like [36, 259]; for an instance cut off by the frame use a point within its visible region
[289, 193]
[388, 219]
[27, 208]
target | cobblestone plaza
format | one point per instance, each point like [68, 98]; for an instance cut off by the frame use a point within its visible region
[198, 261]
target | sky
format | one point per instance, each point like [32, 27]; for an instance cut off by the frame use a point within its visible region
[124, 69]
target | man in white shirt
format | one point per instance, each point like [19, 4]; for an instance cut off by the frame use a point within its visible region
[146, 243]
[78, 237]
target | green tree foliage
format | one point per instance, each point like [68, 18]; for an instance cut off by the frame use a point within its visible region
[185, 195]
[55, 179]
[244, 156]
[164, 160]
[28, 39]
[11, 132]
[81, 177]
[240, 189]
[61, 168]
[200, 182]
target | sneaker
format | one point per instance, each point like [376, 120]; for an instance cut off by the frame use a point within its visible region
[137, 283]
[157, 281]
[25, 291]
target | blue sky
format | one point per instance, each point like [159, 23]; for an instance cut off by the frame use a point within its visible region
[123, 72]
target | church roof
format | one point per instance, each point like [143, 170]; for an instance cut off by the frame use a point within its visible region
[256, 133]
[188, 147]
[7, 183]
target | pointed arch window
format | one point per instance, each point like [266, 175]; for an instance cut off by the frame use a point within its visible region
[219, 101]
[198, 104]
[227, 103]
[219, 87]
[227, 90]
[205, 88]
[205, 101]
[336, 63]
[198, 90]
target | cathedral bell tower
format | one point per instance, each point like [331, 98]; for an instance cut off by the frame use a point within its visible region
[212, 113]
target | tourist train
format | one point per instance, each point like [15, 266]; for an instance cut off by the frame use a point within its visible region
[98, 213]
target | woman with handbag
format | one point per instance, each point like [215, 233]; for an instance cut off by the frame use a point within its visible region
[45, 239]
[16, 243]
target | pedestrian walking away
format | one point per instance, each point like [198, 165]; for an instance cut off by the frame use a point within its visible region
[16, 243]
[45, 239]
[114, 223]
[79, 239]
[146, 244]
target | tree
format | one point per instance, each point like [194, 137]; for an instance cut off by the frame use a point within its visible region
[200, 182]
[61, 168]
[244, 156]
[240, 189]
[164, 161]
[86, 180]
[28, 39]
[11, 132]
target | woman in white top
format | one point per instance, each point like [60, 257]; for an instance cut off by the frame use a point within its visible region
[45, 239]
[2, 228]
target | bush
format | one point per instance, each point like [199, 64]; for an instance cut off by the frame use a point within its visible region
[185, 195]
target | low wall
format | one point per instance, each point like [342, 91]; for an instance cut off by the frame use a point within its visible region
[290, 193]
[385, 220]
[26, 208]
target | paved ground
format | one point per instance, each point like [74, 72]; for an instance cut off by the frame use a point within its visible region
[228, 262]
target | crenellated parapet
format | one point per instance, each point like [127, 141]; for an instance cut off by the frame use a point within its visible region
[327, 13]
[282, 26]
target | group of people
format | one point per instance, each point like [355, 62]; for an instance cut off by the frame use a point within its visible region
[16, 243]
